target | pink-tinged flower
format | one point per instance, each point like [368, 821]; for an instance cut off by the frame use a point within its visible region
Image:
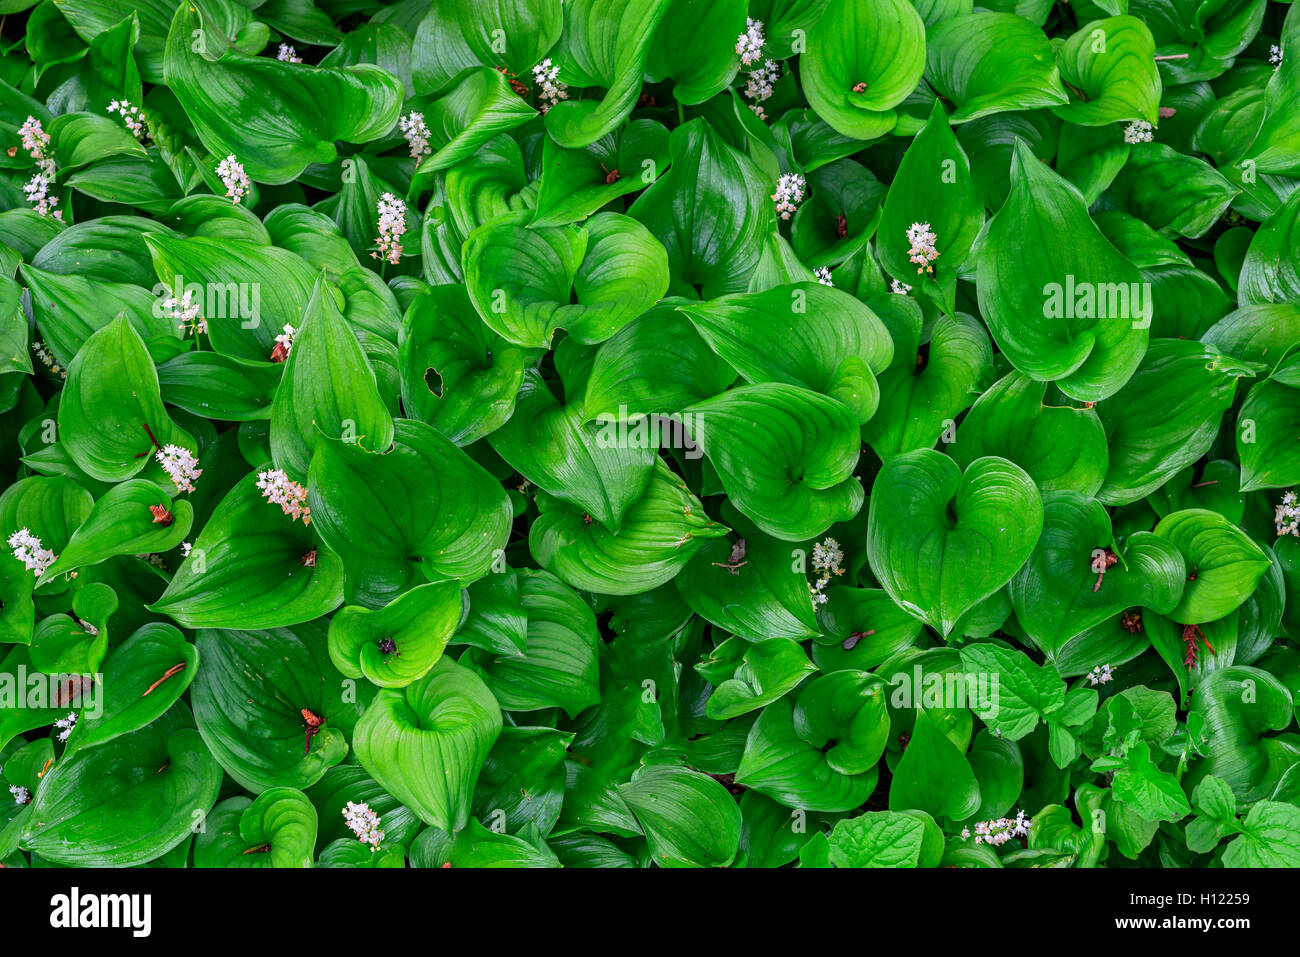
[1100, 675]
[547, 76]
[38, 194]
[37, 142]
[364, 823]
[47, 359]
[1001, 830]
[922, 252]
[27, 549]
[187, 311]
[1287, 515]
[131, 116]
[231, 173]
[288, 54]
[21, 794]
[759, 85]
[749, 45]
[789, 194]
[278, 489]
[284, 344]
[392, 223]
[899, 288]
[181, 465]
[416, 132]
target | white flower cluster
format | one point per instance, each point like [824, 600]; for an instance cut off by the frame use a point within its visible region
[284, 344]
[416, 132]
[37, 142]
[180, 464]
[278, 489]
[922, 251]
[1275, 56]
[759, 85]
[1139, 131]
[65, 725]
[547, 76]
[187, 311]
[1100, 675]
[231, 173]
[1287, 516]
[185, 549]
[364, 823]
[899, 288]
[749, 45]
[131, 116]
[826, 558]
[789, 194]
[823, 275]
[38, 194]
[392, 223]
[999, 831]
[47, 358]
[21, 794]
[288, 54]
[28, 550]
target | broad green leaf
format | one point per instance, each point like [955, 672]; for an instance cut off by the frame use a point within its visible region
[1109, 66]
[397, 644]
[1224, 565]
[940, 541]
[426, 743]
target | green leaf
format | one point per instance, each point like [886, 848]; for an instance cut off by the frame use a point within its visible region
[329, 390]
[1025, 693]
[1269, 451]
[248, 569]
[880, 839]
[940, 541]
[249, 701]
[769, 670]
[687, 47]
[1269, 835]
[784, 454]
[460, 35]
[877, 45]
[422, 511]
[397, 644]
[933, 775]
[426, 743]
[991, 63]
[276, 118]
[1110, 68]
[1166, 417]
[1076, 312]
[836, 345]
[1061, 447]
[689, 819]
[277, 829]
[1224, 564]
[604, 43]
[124, 803]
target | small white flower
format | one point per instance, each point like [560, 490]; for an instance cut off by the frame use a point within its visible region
[21, 794]
[37, 142]
[749, 45]
[288, 54]
[185, 549]
[131, 116]
[416, 132]
[65, 725]
[1001, 830]
[1287, 516]
[1100, 675]
[547, 76]
[278, 489]
[364, 823]
[284, 344]
[823, 275]
[1275, 56]
[826, 558]
[1139, 131]
[231, 173]
[180, 464]
[899, 288]
[392, 223]
[789, 194]
[922, 251]
[758, 87]
[47, 358]
[38, 194]
[187, 311]
[27, 549]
